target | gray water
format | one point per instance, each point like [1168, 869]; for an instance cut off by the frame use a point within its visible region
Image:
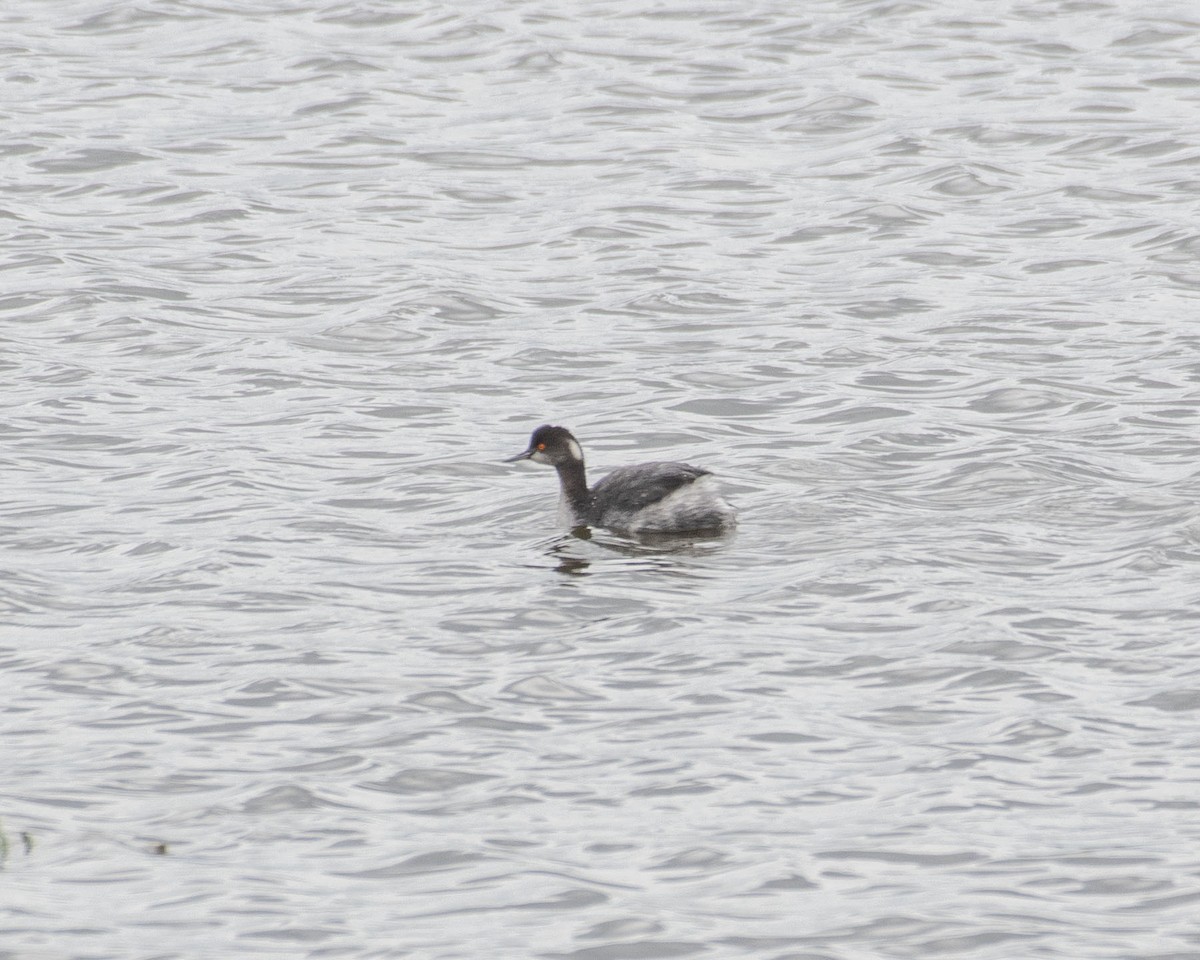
[294, 666]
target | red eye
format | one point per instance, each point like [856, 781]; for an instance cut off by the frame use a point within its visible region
[541, 446]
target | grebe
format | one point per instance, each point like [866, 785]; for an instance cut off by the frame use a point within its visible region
[660, 497]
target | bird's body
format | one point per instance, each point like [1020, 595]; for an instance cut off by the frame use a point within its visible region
[658, 497]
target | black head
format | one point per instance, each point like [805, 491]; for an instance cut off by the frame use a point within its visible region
[552, 445]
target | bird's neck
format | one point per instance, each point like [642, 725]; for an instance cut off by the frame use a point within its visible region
[573, 480]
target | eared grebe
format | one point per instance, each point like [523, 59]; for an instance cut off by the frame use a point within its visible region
[659, 497]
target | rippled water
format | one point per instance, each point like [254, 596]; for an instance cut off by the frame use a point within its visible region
[296, 667]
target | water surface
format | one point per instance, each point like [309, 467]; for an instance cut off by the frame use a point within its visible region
[297, 667]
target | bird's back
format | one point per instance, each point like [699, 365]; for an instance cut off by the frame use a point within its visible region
[659, 497]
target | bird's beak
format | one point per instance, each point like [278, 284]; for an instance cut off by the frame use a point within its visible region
[521, 456]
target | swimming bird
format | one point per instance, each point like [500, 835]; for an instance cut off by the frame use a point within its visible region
[659, 497]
